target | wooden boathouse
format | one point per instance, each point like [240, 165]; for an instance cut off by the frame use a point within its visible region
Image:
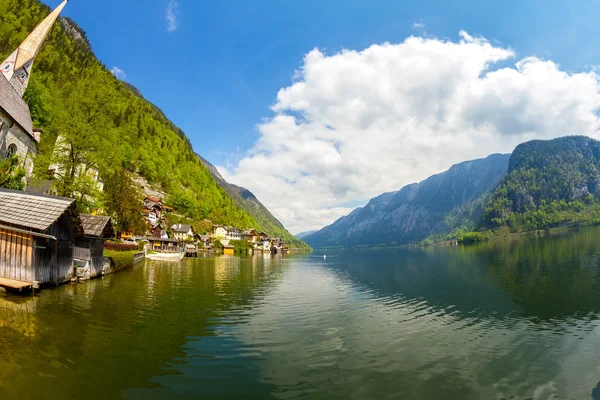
[89, 248]
[37, 239]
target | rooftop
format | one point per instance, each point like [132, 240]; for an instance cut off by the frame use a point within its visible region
[32, 211]
[13, 105]
[97, 226]
[181, 228]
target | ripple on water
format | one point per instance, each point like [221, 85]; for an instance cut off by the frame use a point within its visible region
[426, 324]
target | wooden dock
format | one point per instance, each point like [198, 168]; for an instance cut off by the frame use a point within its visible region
[15, 285]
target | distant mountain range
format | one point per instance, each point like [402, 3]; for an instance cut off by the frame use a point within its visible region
[542, 184]
[302, 235]
[435, 206]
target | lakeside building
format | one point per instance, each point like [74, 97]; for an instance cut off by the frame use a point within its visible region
[258, 241]
[228, 250]
[89, 248]
[219, 232]
[37, 233]
[182, 231]
[163, 245]
[234, 234]
[251, 236]
[18, 137]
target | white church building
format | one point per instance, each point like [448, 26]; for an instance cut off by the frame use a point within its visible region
[17, 134]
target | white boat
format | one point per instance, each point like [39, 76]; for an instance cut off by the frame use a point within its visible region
[165, 256]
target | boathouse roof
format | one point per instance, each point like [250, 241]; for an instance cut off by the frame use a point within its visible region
[97, 226]
[13, 105]
[33, 211]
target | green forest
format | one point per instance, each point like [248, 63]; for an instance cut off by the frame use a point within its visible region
[106, 126]
[549, 184]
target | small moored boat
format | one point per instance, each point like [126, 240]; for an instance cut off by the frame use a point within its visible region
[165, 256]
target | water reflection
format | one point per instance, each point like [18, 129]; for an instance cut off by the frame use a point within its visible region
[515, 319]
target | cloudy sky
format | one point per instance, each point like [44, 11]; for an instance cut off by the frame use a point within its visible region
[318, 106]
[354, 124]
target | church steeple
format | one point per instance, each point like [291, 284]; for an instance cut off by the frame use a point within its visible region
[17, 67]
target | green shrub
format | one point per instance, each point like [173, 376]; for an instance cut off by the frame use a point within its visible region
[121, 259]
[239, 246]
[472, 237]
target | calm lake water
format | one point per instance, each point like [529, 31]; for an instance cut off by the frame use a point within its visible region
[505, 320]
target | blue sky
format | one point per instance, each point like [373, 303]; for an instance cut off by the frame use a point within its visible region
[217, 74]
[219, 66]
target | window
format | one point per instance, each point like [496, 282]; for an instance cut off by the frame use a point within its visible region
[12, 150]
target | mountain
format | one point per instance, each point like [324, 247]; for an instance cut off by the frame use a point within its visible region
[302, 235]
[108, 125]
[549, 183]
[446, 202]
[248, 202]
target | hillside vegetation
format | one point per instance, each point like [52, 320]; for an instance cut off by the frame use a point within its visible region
[544, 184]
[549, 183]
[106, 126]
[441, 206]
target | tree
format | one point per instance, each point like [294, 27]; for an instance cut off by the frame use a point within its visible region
[123, 202]
[12, 174]
[84, 132]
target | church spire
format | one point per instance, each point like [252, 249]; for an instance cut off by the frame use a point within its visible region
[17, 67]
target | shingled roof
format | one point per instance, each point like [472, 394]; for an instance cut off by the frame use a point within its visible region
[32, 211]
[97, 226]
[181, 228]
[13, 105]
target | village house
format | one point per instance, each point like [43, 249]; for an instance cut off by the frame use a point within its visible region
[37, 237]
[234, 234]
[163, 245]
[62, 151]
[18, 137]
[154, 213]
[156, 231]
[89, 249]
[251, 236]
[266, 245]
[219, 232]
[182, 231]
[204, 240]
[278, 246]
[262, 236]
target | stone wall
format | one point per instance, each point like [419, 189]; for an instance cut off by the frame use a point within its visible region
[26, 147]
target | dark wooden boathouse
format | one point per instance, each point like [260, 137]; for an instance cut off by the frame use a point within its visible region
[37, 238]
[89, 249]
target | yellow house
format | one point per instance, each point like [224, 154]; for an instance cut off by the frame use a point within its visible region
[228, 250]
[126, 235]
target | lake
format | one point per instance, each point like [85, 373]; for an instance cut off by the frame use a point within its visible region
[512, 319]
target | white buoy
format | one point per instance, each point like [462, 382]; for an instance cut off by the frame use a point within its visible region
[324, 257]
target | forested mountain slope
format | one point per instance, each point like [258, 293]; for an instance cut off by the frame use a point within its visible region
[446, 202]
[248, 202]
[549, 183]
[107, 126]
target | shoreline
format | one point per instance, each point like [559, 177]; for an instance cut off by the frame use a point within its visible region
[452, 242]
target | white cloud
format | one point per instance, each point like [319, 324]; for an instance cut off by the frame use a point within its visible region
[171, 15]
[356, 124]
[418, 25]
[119, 73]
